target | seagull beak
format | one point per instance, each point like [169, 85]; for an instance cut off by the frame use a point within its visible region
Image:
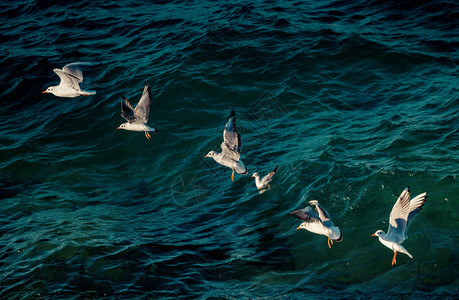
[44, 92]
[373, 234]
[118, 127]
[298, 227]
[206, 156]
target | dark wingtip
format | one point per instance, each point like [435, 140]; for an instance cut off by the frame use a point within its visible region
[232, 113]
[294, 213]
[275, 169]
[407, 188]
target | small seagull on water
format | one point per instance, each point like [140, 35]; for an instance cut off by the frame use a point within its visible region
[262, 183]
[138, 117]
[318, 222]
[231, 147]
[402, 214]
[71, 76]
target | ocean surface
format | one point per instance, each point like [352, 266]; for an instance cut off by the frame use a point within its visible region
[354, 100]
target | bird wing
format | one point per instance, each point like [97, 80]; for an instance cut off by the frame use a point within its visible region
[415, 206]
[68, 79]
[307, 215]
[76, 69]
[127, 111]
[398, 218]
[142, 109]
[269, 177]
[231, 139]
[323, 214]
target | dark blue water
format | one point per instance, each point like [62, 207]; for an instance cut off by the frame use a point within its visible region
[353, 100]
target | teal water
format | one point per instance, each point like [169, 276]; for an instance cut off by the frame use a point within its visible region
[353, 100]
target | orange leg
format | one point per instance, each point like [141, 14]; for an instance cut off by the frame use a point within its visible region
[147, 135]
[393, 259]
[330, 242]
[232, 176]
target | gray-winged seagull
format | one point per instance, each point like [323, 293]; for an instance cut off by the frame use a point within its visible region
[318, 222]
[71, 76]
[400, 218]
[138, 117]
[231, 147]
[264, 182]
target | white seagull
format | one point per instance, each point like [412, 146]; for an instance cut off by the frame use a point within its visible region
[400, 218]
[71, 76]
[231, 147]
[138, 117]
[264, 182]
[318, 222]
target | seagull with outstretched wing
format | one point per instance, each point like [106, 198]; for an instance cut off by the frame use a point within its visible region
[71, 76]
[231, 147]
[264, 182]
[137, 117]
[318, 221]
[400, 218]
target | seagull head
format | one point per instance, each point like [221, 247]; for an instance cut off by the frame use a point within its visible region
[49, 90]
[123, 126]
[378, 233]
[211, 153]
[255, 175]
[302, 226]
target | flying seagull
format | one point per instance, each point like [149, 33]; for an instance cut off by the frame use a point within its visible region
[71, 76]
[264, 182]
[138, 117]
[231, 147]
[319, 222]
[400, 218]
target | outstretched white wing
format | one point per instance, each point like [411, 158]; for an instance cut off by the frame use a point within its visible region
[231, 145]
[142, 109]
[402, 214]
[72, 74]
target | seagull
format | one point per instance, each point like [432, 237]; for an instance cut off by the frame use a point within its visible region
[400, 218]
[318, 222]
[71, 76]
[138, 117]
[265, 181]
[231, 147]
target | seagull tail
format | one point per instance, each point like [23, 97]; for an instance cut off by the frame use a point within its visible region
[87, 93]
[340, 237]
[403, 250]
